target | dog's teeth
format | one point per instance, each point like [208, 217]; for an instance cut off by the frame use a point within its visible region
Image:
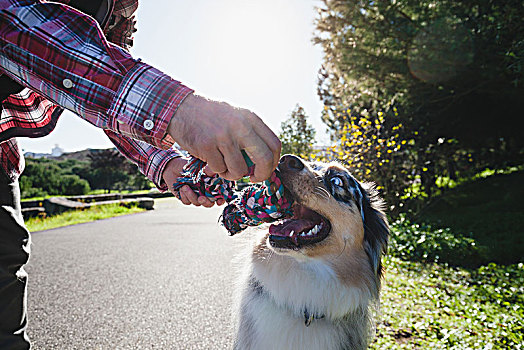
[316, 229]
[303, 234]
[291, 233]
[310, 233]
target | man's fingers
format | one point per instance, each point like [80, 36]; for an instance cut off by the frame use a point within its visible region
[188, 197]
[208, 171]
[187, 193]
[263, 158]
[268, 137]
[236, 165]
[184, 199]
[215, 161]
[205, 202]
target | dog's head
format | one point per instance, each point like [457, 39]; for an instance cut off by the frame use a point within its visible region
[334, 214]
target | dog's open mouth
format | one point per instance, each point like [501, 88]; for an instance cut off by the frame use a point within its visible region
[304, 228]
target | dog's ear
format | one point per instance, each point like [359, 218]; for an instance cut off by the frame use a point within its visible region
[376, 227]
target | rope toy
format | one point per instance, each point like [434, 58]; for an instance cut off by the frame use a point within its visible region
[253, 206]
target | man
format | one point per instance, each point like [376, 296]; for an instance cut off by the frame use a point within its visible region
[68, 59]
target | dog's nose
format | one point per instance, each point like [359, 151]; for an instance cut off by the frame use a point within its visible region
[290, 162]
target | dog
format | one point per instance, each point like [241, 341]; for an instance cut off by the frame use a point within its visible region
[313, 281]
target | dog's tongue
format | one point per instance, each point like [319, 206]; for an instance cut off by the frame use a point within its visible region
[285, 228]
[303, 220]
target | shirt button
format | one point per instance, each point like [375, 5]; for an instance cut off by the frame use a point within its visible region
[68, 84]
[148, 124]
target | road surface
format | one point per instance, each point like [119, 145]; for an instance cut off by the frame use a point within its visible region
[155, 280]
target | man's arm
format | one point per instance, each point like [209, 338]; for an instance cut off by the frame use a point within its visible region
[63, 54]
[162, 167]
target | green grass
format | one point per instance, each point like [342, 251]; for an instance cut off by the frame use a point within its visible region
[80, 216]
[489, 210]
[421, 242]
[431, 306]
[427, 305]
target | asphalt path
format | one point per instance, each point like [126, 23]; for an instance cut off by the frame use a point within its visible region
[155, 280]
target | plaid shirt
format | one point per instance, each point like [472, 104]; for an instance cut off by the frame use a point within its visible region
[67, 61]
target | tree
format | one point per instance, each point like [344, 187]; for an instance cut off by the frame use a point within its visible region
[449, 72]
[296, 134]
[109, 168]
[43, 177]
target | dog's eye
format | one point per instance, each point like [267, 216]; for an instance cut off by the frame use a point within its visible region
[337, 181]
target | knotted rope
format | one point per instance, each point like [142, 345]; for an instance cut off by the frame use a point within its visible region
[254, 205]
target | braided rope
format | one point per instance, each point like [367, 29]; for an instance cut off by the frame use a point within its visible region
[254, 205]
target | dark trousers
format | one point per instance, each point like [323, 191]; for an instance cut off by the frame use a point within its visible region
[14, 254]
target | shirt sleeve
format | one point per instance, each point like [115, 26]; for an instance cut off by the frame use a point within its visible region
[63, 54]
[151, 161]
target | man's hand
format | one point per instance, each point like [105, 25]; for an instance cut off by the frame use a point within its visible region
[216, 133]
[172, 171]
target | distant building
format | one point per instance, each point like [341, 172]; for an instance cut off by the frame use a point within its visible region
[57, 151]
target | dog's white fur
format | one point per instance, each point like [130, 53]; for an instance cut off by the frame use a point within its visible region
[334, 280]
[291, 285]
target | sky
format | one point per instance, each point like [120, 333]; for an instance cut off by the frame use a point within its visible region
[255, 54]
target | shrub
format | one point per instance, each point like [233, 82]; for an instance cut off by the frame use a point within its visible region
[420, 242]
[374, 149]
[32, 192]
[73, 184]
